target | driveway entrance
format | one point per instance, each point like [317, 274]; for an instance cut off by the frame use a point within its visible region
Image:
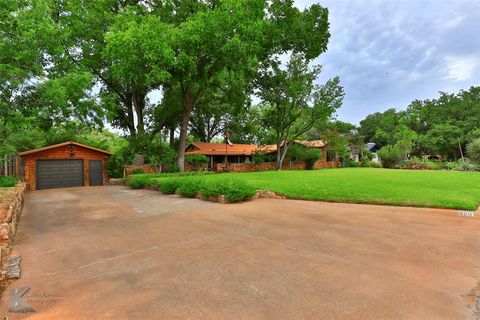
[115, 253]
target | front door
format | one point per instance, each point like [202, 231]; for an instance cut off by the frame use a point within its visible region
[95, 172]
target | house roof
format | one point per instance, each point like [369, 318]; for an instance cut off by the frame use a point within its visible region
[220, 149]
[61, 145]
[372, 146]
[311, 143]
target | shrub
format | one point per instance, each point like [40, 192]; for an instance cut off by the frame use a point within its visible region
[435, 165]
[197, 161]
[136, 183]
[466, 166]
[115, 166]
[373, 164]
[211, 188]
[167, 186]
[238, 191]
[473, 151]
[366, 154]
[261, 156]
[8, 181]
[391, 156]
[461, 165]
[189, 187]
[138, 171]
[351, 164]
[299, 152]
[173, 169]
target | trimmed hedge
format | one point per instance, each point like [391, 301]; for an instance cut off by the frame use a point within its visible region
[238, 191]
[190, 186]
[8, 181]
[167, 186]
[136, 183]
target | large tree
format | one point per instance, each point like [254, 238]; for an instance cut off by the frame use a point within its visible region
[294, 104]
[214, 40]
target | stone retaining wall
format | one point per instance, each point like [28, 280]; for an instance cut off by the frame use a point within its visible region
[8, 225]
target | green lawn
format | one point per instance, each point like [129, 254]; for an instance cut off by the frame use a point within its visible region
[443, 189]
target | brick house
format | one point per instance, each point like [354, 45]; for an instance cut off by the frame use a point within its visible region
[67, 164]
[235, 155]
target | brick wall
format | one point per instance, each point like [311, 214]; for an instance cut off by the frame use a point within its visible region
[62, 153]
[287, 165]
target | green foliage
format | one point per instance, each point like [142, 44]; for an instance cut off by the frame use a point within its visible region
[473, 150]
[137, 182]
[173, 168]
[366, 154]
[351, 164]
[192, 183]
[441, 126]
[391, 156]
[293, 103]
[167, 186]
[196, 160]
[369, 164]
[260, 156]
[8, 181]
[236, 191]
[138, 171]
[158, 153]
[424, 188]
[189, 187]
[211, 188]
[299, 152]
[462, 165]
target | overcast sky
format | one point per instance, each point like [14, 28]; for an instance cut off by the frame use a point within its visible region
[388, 53]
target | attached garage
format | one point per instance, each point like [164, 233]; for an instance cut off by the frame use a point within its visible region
[63, 165]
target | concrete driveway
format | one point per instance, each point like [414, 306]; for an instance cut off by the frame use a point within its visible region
[116, 253]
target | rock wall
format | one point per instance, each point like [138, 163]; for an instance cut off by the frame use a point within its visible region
[8, 225]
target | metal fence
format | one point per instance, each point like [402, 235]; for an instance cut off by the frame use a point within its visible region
[10, 166]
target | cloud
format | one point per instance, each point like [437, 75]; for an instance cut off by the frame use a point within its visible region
[389, 53]
[460, 68]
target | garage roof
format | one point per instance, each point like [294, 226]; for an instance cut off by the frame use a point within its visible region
[61, 145]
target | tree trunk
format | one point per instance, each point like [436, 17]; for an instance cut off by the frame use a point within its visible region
[139, 104]
[281, 152]
[130, 122]
[171, 140]
[183, 140]
[189, 103]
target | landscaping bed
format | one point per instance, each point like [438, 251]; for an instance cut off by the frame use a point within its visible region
[419, 188]
[194, 185]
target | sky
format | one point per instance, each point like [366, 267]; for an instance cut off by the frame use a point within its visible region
[388, 53]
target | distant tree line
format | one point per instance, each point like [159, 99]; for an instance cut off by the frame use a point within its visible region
[440, 127]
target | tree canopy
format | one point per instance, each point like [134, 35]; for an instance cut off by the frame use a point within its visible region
[442, 126]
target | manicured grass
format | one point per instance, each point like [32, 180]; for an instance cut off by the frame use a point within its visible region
[442, 189]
